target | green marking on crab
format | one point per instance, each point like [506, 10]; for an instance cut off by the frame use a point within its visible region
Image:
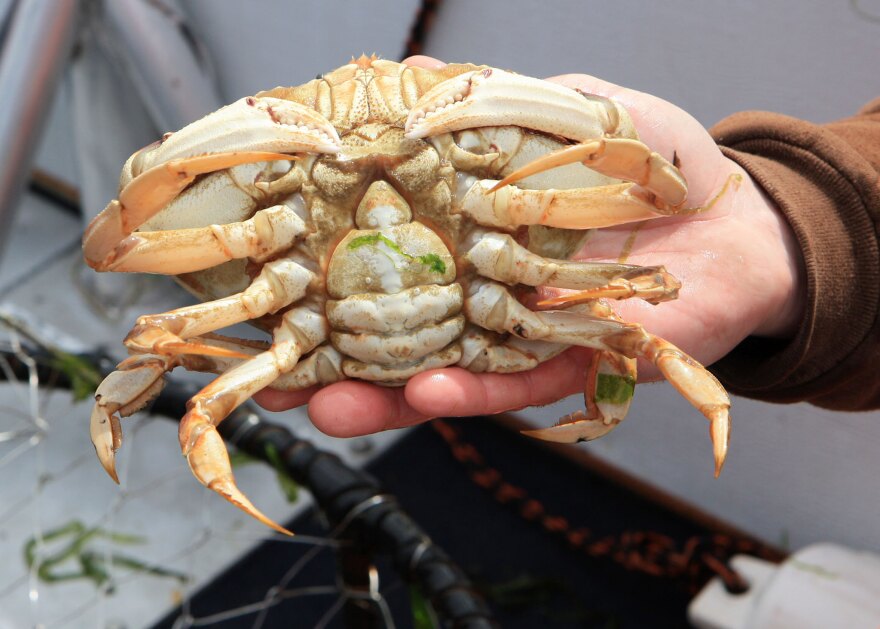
[614, 389]
[430, 260]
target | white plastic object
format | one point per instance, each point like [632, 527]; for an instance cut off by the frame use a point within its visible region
[820, 586]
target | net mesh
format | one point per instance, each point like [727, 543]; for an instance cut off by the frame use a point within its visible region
[83, 552]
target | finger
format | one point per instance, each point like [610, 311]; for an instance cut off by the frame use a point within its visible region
[642, 107]
[352, 408]
[457, 392]
[422, 61]
[276, 400]
[591, 85]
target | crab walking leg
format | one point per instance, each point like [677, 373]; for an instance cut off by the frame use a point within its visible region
[484, 351]
[608, 393]
[300, 330]
[139, 379]
[161, 339]
[173, 252]
[280, 283]
[322, 366]
[610, 377]
[620, 158]
[500, 257]
[573, 208]
[608, 389]
[491, 306]
[135, 383]
[151, 191]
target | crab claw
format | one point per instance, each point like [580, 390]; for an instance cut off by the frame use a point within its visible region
[492, 98]
[137, 381]
[149, 192]
[251, 130]
[254, 123]
[605, 135]
[209, 461]
[608, 393]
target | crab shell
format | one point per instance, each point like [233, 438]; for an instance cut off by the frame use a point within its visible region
[380, 221]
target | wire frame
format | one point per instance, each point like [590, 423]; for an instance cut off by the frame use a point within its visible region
[77, 568]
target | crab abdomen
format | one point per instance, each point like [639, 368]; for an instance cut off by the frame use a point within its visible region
[394, 306]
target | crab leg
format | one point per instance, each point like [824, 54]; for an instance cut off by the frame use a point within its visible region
[248, 131]
[602, 128]
[621, 158]
[114, 398]
[482, 351]
[500, 257]
[608, 393]
[573, 208]
[149, 193]
[491, 306]
[608, 390]
[322, 366]
[173, 252]
[261, 123]
[492, 98]
[279, 284]
[300, 330]
[162, 338]
[610, 379]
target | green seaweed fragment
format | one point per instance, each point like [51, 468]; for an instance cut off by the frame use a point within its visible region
[289, 487]
[83, 375]
[93, 564]
[422, 616]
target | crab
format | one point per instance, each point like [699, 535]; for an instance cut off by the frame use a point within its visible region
[380, 221]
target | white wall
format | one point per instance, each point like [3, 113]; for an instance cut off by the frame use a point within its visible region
[794, 472]
[815, 59]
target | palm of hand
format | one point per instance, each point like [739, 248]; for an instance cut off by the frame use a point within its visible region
[734, 261]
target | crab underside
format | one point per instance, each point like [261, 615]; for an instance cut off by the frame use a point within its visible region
[380, 221]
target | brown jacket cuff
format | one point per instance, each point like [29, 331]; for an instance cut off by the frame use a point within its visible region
[828, 190]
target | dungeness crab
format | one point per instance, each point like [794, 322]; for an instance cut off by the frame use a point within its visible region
[380, 221]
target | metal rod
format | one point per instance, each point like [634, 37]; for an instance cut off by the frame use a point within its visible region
[36, 47]
[164, 61]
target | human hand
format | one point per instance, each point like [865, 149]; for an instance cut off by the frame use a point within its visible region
[738, 263]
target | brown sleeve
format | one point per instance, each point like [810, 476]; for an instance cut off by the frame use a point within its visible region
[825, 180]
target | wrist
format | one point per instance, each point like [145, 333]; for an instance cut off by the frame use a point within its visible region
[785, 312]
